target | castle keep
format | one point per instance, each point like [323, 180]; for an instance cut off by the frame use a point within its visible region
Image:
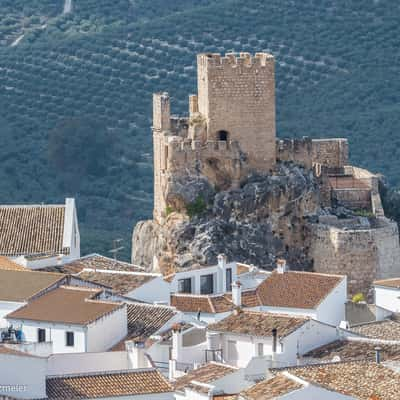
[230, 131]
[302, 189]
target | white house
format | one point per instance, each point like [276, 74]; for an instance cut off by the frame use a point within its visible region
[36, 236]
[210, 381]
[319, 296]
[205, 280]
[73, 319]
[387, 294]
[333, 381]
[244, 335]
[17, 287]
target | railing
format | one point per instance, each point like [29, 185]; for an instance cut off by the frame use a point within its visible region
[184, 367]
[161, 365]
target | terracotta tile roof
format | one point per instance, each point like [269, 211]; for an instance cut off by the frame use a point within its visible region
[207, 373]
[120, 283]
[95, 261]
[29, 230]
[271, 388]
[6, 263]
[211, 304]
[112, 384]
[22, 285]
[296, 289]
[145, 320]
[242, 268]
[391, 283]
[258, 323]
[361, 379]
[385, 330]
[348, 350]
[69, 305]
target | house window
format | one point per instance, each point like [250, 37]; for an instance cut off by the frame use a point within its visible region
[228, 279]
[207, 284]
[185, 285]
[260, 349]
[69, 339]
[41, 335]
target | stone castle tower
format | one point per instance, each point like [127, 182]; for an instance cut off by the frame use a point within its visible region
[230, 131]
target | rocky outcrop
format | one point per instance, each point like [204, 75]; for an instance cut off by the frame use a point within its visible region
[263, 219]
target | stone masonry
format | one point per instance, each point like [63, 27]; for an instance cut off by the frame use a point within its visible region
[227, 150]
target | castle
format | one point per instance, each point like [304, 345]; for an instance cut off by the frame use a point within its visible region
[230, 135]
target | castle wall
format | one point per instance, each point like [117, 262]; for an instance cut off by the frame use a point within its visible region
[364, 255]
[331, 153]
[237, 95]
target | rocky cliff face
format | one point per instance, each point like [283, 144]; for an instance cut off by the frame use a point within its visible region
[263, 219]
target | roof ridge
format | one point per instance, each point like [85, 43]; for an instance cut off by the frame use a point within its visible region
[103, 372]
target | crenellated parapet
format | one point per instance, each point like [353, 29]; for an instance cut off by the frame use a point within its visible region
[259, 60]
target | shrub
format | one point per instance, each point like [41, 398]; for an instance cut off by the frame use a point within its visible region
[357, 298]
[197, 207]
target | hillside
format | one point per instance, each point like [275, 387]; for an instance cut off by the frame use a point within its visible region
[75, 91]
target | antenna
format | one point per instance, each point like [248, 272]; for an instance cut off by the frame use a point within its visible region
[116, 249]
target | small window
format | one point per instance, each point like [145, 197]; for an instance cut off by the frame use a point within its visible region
[223, 135]
[185, 285]
[69, 339]
[207, 284]
[41, 335]
[228, 279]
[260, 349]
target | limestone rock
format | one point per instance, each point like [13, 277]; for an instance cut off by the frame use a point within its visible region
[255, 223]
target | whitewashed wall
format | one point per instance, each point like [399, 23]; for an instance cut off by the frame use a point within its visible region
[22, 377]
[387, 298]
[107, 331]
[77, 363]
[55, 333]
[7, 307]
[332, 309]
[156, 290]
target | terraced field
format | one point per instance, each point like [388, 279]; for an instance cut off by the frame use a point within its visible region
[337, 69]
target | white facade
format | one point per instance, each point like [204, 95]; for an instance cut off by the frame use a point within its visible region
[7, 307]
[238, 350]
[97, 336]
[387, 298]
[218, 272]
[22, 377]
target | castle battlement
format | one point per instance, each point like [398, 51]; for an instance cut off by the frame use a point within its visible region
[235, 60]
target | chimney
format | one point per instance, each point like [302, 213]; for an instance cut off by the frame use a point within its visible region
[237, 293]
[274, 340]
[378, 354]
[281, 266]
[221, 261]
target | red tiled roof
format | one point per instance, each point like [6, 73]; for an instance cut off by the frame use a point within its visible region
[70, 305]
[296, 289]
[111, 384]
